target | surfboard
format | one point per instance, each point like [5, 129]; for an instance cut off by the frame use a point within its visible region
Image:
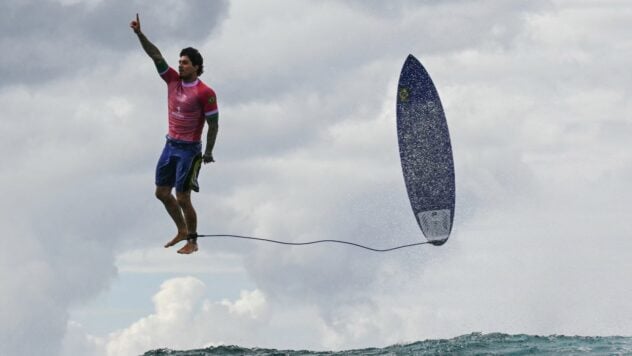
[425, 152]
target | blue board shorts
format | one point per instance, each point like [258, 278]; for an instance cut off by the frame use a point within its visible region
[179, 165]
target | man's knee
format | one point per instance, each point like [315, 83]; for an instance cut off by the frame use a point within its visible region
[163, 193]
[184, 199]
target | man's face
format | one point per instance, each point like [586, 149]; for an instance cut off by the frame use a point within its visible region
[186, 68]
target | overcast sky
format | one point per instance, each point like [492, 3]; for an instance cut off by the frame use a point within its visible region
[537, 99]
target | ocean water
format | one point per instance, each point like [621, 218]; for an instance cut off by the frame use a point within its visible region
[472, 344]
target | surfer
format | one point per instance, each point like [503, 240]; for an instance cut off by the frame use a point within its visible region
[191, 103]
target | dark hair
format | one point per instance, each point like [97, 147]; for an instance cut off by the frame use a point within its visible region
[195, 57]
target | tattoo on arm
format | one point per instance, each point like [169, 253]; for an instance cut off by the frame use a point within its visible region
[211, 135]
[150, 49]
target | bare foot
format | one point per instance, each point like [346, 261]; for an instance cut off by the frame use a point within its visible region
[181, 236]
[189, 248]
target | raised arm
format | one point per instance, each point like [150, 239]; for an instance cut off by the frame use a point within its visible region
[151, 50]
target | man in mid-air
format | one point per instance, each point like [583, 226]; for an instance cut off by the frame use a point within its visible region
[191, 104]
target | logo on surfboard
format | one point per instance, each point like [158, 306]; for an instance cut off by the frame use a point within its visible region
[403, 94]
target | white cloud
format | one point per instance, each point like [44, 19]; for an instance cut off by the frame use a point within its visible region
[183, 319]
[250, 304]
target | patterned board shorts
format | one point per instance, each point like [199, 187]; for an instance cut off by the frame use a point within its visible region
[179, 165]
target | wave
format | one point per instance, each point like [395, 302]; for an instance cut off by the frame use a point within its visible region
[471, 344]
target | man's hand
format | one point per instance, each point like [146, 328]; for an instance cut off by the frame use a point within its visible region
[151, 50]
[135, 25]
[208, 158]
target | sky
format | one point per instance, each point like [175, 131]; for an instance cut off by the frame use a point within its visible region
[536, 95]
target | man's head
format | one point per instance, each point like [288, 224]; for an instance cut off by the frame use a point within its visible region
[191, 64]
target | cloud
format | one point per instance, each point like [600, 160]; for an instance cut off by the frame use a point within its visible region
[184, 318]
[75, 135]
[54, 39]
[535, 94]
[529, 116]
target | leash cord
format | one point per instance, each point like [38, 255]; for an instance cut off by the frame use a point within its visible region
[316, 242]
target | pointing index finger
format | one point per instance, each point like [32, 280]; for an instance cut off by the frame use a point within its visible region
[137, 20]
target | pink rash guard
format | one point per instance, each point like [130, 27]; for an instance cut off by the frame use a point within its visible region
[189, 105]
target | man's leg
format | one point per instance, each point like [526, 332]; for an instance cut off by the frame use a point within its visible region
[173, 208]
[190, 217]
